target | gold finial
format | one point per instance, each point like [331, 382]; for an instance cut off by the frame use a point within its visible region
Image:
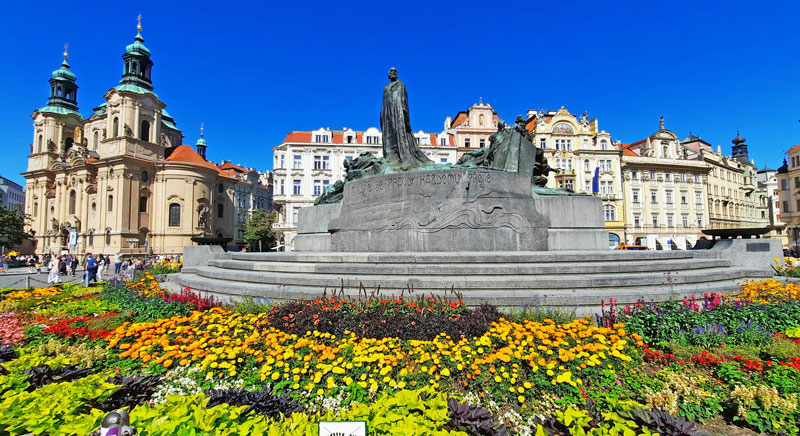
[139, 23]
[201, 129]
[66, 51]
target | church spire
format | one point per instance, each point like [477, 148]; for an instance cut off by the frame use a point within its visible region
[201, 143]
[137, 61]
[63, 89]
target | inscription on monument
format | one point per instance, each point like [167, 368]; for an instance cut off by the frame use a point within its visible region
[404, 181]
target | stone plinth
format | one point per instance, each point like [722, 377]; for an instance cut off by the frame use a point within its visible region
[451, 210]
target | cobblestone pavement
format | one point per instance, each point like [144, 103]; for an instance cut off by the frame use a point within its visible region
[19, 278]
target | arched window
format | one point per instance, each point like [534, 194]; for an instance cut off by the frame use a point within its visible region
[603, 145]
[673, 245]
[174, 215]
[613, 240]
[115, 127]
[41, 143]
[639, 241]
[94, 207]
[220, 210]
[659, 246]
[35, 209]
[108, 237]
[110, 203]
[142, 204]
[144, 131]
[610, 212]
[96, 140]
[91, 237]
[72, 198]
[688, 245]
[135, 68]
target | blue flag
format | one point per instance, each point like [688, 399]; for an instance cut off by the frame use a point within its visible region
[596, 181]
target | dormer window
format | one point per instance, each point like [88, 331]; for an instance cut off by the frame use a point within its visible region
[443, 141]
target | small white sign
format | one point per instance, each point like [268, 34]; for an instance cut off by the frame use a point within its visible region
[343, 428]
[73, 237]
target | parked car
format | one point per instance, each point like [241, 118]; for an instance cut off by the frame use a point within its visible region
[630, 247]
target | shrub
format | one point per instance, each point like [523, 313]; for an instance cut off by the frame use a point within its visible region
[82, 355]
[262, 402]
[133, 391]
[473, 419]
[12, 331]
[41, 375]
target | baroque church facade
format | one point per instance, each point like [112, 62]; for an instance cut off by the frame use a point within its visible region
[120, 180]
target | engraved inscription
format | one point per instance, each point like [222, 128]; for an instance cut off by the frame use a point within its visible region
[421, 180]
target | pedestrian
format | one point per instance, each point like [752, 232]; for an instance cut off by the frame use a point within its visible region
[100, 264]
[62, 266]
[4, 265]
[31, 264]
[74, 265]
[91, 267]
[38, 268]
[106, 265]
[52, 271]
[68, 263]
[117, 263]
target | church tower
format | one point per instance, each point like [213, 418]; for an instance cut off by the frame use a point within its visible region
[739, 149]
[137, 62]
[57, 125]
[201, 144]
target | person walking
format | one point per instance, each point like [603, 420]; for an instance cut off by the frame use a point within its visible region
[106, 265]
[91, 268]
[100, 265]
[52, 271]
[68, 264]
[74, 265]
[4, 264]
[117, 263]
[31, 264]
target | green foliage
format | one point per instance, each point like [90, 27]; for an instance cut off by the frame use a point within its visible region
[537, 313]
[83, 355]
[145, 308]
[54, 407]
[12, 224]
[251, 305]
[86, 306]
[258, 227]
[576, 421]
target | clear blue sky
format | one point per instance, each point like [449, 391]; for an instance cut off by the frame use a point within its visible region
[255, 71]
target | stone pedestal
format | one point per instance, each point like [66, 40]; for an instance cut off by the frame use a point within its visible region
[451, 210]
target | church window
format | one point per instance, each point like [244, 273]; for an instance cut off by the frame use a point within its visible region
[142, 204]
[220, 210]
[108, 237]
[110, 203]
[144, 131]
[58, 91]
[174, 215]
[220, 188]
[91, 237]
[41, 142]
[35, 209]
[72, 198]
[94, 207]
[95, 140]
[116, 127]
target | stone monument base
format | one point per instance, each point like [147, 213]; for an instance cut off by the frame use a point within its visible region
[451, 210]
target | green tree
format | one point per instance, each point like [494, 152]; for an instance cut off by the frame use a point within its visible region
[259, 228]
[12, 227]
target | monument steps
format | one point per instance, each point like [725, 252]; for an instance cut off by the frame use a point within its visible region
[467, 268]
[545, 281]
[587, 299]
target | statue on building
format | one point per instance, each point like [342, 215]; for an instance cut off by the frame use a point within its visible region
[128, 130]
[202, 217]
[54, 224]
[400, 148]
[51, 146]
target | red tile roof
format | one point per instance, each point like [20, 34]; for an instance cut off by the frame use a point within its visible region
[460, 118]
[298, 137]
[626, 149]
[230, 166]
[187, 154]
[793, 148]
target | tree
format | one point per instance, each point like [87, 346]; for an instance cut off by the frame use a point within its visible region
[12, 227]
[259, 228]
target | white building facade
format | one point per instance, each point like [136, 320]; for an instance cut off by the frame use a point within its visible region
[307, 162]
[12, 195]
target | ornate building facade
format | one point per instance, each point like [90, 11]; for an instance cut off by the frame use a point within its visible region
[579, 149]
[307, 162]
[470, 128]
[252, 192]
[119, 180]
[665, 192]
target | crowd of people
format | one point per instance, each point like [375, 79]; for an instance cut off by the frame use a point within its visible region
[94, 267]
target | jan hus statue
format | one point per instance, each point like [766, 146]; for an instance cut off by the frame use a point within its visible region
[399, 145]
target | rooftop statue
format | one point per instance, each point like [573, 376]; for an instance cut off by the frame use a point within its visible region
[399, 145]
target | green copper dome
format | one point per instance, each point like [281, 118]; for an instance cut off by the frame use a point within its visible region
[138, 46]
[201, 141]
[64, 72]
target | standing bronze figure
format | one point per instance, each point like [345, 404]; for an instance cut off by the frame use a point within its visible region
[399, 145]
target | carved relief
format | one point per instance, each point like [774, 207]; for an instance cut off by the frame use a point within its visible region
[473, 216]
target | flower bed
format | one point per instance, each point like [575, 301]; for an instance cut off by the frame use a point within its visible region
[410, 366]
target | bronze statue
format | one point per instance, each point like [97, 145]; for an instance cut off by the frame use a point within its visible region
[399, 145]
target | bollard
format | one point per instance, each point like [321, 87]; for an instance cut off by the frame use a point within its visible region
[27, 282]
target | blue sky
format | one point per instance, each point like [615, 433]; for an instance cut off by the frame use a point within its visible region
[253, 71]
